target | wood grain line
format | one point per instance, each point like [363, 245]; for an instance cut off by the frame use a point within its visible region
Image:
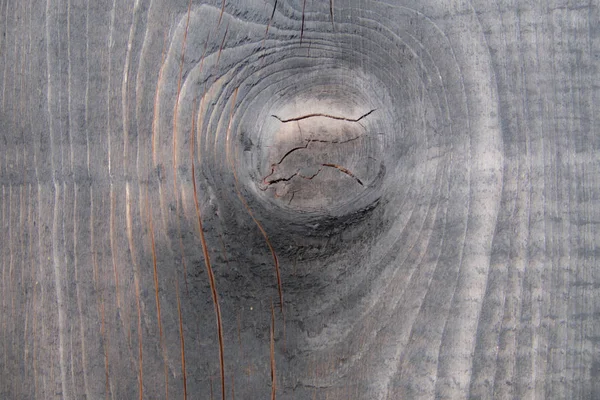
[60, 299]
[209, 270]
[182, 340]
[136, 282]
[272, 353]
[245, 204]
[156, 112]
[156, 288]
[84, 354]
[113, 244]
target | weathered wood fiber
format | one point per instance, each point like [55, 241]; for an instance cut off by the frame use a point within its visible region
[299, 199]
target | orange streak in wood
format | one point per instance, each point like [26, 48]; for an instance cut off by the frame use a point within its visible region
[154, 264]
[222, 44]
[182, 341]
[175, 112]
[273, 376]
[222, 11]
[211, 277]
[92, 240]
[183, 372]
[140, 352]
[34, 336]
[137, 286]
[113, 245]
[175, 132]
[11, 261]
[22, 252]
[258, 224]
[155, 113]
[105, 340]
[201, 107]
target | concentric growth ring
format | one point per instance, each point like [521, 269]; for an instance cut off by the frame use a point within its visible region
[315, 129]
[359, 147]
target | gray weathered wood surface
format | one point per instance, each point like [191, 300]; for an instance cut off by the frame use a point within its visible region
[417, 181]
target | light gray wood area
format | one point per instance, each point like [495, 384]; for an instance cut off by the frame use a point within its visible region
[299, 199]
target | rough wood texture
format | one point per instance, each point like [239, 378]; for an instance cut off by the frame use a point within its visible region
[299, 199]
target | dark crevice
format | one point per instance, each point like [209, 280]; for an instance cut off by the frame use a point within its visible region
[308, 142]
[290, 152]
[292, 197]
[333, 141]
[344, 170]
[331, 14]
[325, 116]
[282, 179]
[297, 173]
[302, 27]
